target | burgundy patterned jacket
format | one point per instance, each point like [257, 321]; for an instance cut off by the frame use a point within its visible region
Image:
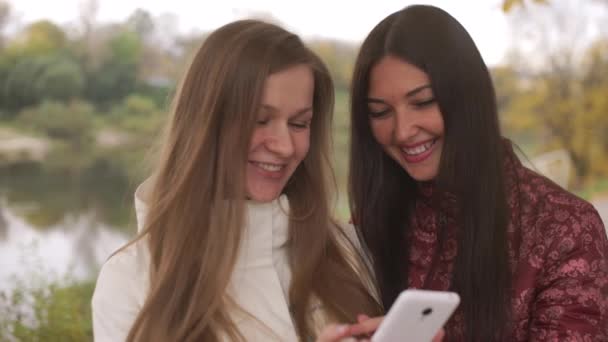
[558, 253]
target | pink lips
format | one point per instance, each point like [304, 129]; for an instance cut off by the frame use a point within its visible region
[420, 157]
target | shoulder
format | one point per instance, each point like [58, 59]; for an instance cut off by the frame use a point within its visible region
[125, 270]
[556, 222]
[550, 203]
[560, 225]
[120, 292]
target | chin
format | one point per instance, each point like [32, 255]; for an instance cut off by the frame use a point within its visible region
[263, 196]
[263, 199]
[424, 179]
[421, 175]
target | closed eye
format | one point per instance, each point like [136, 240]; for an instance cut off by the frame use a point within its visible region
[379, 114]
[300, 125]
[424, 103]
[377, 108]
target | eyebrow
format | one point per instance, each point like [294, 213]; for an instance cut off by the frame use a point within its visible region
[298, 113]
[408, 94]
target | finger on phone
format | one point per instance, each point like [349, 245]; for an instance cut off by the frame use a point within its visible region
[366, 327]
[362, 318]
[334, 333]
[439, 337]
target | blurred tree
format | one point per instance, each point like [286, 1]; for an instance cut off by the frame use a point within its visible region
[5, 14]
[62, 79]
[89, 45]
[116, 77]
[339, 57]
[72, 122]
[566, 108]
[138, 115]
[39, 38]
[506, 82]
[556, 100]
[137, 105]
[595, 62]
[595, 85]
[155, 65]
[38, 65]
[187, 45]
[141, 22]
[124, 46]
[508, 5]
[31, 80]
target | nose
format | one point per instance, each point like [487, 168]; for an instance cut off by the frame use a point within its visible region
[280, 142]
[405, 127]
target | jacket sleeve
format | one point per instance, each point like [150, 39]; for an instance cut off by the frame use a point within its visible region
[572, 295]
[115, 302]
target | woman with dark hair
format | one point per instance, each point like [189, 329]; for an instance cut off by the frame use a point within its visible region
[443, 203]
[236, 239]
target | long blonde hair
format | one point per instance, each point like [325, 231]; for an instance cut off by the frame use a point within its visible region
[193, 233]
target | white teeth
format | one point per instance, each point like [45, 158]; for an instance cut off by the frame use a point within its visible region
[269, 167]
[418, 149]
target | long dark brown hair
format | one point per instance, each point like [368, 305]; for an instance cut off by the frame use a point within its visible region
[382, 193]
[193, 233]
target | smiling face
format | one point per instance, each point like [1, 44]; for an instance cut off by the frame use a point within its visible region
[281, 138]
[405, 118]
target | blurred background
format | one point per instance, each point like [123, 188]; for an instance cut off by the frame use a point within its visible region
[85, 86]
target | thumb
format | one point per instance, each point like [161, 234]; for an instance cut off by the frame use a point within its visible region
[439, 337]
[362, 318]
[333, 333]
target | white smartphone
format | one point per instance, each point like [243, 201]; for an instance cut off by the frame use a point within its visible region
[416, 316]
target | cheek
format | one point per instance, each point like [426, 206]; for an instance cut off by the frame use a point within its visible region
[302, 145]
[381, 130]
[437, 123]
[256, 139]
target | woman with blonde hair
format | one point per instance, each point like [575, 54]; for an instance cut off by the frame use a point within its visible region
[236, 238]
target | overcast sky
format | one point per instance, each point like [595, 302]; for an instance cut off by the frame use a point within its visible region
[346, 20]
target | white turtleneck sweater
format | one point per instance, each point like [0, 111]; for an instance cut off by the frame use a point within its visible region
[259, 283]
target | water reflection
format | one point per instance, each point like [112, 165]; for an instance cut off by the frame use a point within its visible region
[76, 248]
[44, 196]
[3, 224]
[62, 220]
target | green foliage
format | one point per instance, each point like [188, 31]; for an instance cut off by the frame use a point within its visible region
[508, 5]
[339, 57]
[20, 79]
[595, 189]
[117, 76]
[341, 134]
[140, 22]
[61, 80]
[5, 14]
[39, 38]
[562, 108]
[72, 122]
[125, 47]
[139, 115]
[37, 65]
[30, 80]
[47, 310]
[138, 105]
